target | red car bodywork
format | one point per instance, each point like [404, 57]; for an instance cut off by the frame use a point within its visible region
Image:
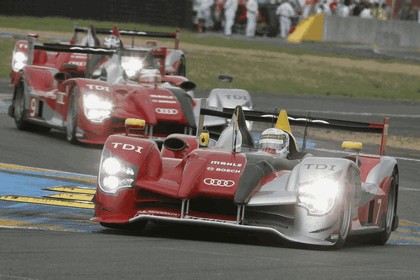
[248, 189]
[45, 85]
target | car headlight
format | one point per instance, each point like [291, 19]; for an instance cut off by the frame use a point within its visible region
[131, 66]
[96, 108]
[19, 61]
[114, 174]
[318, 196]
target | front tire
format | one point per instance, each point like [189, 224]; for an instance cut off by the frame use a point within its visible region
[389, 217]
[72, 116]
[19, 108]
[345, 222]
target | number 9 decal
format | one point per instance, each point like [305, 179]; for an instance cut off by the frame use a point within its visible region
[32, 107]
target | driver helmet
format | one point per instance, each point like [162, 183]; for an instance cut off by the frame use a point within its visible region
[274, 140]
[149, 76]
[112, 41]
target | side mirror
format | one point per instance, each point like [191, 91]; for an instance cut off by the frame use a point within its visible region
[61, 76]
[187, 85]
[225, 78]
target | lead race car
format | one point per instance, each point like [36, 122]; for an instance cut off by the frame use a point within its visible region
[316, 200]
[53, 89]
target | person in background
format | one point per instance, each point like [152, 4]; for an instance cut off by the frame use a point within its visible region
[203, 20]
[333, 7]
[357, 9]
[366, 11]
[343, 9]
[230, 7]
[322, 8]
[251, 17]
[308, 7]
[285, 11]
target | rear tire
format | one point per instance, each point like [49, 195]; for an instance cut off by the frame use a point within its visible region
[389, 217]
[72, 116]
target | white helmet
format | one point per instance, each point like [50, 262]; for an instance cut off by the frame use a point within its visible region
[274, 140]
[112, 41]
[149, 76]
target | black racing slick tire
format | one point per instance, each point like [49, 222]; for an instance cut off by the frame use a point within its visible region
[182, 70]
[389, 217]
[19, 108]
[72, 116]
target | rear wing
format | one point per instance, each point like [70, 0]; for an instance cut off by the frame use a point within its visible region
[132, 33]
[309, 121]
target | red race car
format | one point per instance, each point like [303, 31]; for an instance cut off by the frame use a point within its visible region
[175, 61]
[233, 185]
[53, 88]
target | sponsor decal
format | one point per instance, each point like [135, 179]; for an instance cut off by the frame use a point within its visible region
[163, 101]
[33, 107]
[98, 87]
[319, 166]
[220, 169]
[156, 212]
[79, 55]
[236, 97]
[161, 96]
[166, 111]
[219, 183]
[210, 220]
[78, 63]
[224, 163]
[127, 147]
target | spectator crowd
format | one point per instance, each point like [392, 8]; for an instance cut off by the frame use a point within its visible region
[251, 17]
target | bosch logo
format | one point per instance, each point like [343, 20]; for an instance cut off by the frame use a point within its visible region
[166, 111]
[219, 183]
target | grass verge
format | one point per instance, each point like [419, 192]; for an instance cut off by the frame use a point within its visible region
[257, 67]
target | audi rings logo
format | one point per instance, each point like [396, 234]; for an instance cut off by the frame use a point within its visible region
[219, 183]
[166, 111]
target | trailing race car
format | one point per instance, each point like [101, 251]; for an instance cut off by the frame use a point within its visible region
[316, 200]
[224, 97]
[51, 91]
[175, 61]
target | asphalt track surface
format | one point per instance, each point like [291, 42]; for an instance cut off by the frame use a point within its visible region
[70, 247]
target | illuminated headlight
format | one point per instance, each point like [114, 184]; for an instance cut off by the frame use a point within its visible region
[319, 196]
[115, 175]
[96, 108]
[19, 61]
[131, 66]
